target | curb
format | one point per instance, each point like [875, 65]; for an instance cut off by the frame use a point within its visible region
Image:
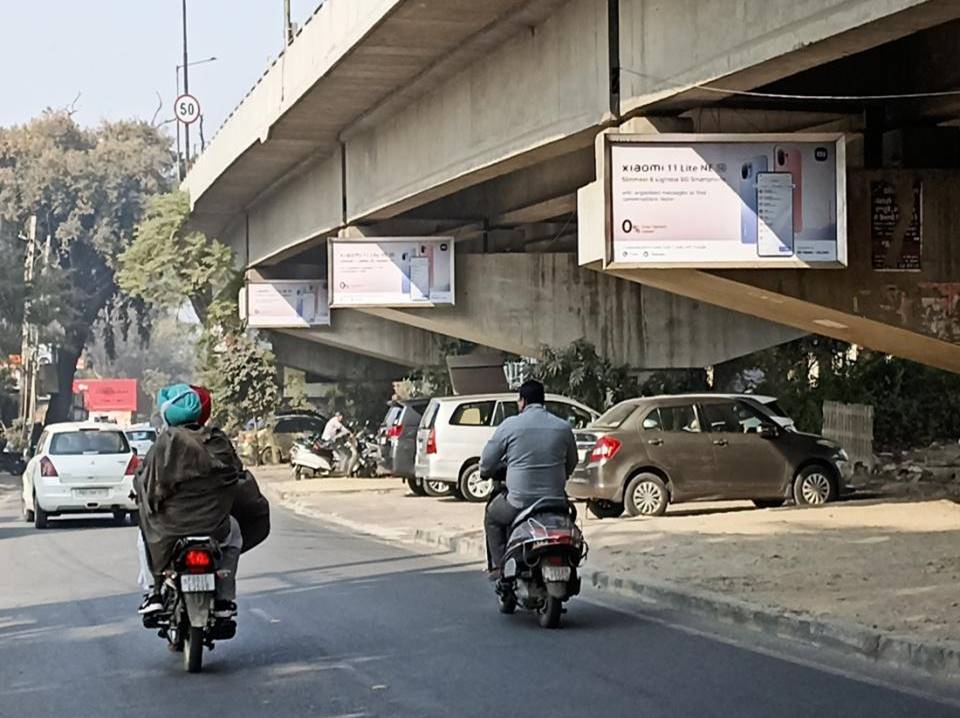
[940, 661]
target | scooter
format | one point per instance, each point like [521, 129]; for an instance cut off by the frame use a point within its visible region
[544, 551]
[316, 458]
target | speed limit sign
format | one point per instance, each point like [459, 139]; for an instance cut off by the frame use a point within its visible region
[187, 109]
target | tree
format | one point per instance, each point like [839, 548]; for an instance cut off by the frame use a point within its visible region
[87, 188]
[181, 266]
[167, 263]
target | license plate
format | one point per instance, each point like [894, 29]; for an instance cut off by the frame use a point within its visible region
[92, 493]
[556, 573]
[196, 582]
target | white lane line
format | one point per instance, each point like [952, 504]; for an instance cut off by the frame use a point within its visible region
[260, 613]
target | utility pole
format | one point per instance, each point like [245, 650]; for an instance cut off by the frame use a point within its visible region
[177, 123]
[28, 384]
[186, 82]
[287, 24]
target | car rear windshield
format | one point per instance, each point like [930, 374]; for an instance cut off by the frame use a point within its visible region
[393, 414]
[615, 416]
[144, 435]
[88, 442]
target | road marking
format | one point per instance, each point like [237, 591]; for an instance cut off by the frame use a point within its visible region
[260, 613]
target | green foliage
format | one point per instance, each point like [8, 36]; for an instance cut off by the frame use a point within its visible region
[240, 373]
[87, 189]
[167, 263]
[913, 404]
[579, 372]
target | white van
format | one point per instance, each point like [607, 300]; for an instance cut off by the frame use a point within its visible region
[454, 430]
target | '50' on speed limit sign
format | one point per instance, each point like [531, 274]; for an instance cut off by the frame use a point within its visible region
[186, 109]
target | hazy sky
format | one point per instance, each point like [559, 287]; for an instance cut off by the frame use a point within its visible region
[119, 53]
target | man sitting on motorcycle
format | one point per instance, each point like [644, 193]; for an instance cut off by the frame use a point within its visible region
[186, 486]
[334, 429]
[539, 452]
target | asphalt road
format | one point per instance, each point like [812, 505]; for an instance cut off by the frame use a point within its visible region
[339, 625]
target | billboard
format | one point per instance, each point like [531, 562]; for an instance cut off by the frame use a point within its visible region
[285, 303]
[391, 272]
[107, 394]
[725, 200]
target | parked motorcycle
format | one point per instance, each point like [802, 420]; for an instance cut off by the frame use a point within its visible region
[544, 551]
[187, 620]
[12, 463]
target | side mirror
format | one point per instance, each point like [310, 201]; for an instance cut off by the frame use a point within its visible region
[134, 450]
[768, 431]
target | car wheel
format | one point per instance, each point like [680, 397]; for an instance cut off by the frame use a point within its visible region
[416, 487]
[473, 487]
[814, 486]
[39, 515]
[120, 518]
[646, 495]
[437, 488]
[25, 512]
[768, 503]
[603, 509]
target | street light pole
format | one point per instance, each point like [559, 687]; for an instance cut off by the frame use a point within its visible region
[177, 123]
[287, 26]
[186, 82]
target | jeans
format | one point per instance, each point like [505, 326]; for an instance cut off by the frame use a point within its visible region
[497, 520]
[229, 560]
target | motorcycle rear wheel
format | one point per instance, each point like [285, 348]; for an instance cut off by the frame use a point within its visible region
[551, 612]
[193, 650]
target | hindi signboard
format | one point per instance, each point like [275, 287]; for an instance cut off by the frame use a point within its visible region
[285, 303]
[391, 272]
[725, 200]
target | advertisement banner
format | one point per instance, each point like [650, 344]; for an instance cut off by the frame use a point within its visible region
[726, 200]
[286, 303]
[107, 394]
[896, 225]
[391, 272]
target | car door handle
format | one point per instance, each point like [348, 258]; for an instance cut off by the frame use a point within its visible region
[655, 442]
[720, 442]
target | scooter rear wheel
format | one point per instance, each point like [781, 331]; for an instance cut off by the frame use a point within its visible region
[551, 612]
[507, 604]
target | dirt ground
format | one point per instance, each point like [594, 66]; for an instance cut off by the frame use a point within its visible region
[891, 565]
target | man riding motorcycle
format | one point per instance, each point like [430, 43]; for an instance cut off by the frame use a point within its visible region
[191, 483]
[539, 451]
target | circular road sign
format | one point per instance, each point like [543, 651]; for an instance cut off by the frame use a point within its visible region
[187, 109]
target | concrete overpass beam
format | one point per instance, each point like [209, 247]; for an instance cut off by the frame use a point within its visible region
[520, 302]
[331, 363]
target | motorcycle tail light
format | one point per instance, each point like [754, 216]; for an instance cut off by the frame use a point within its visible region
[132, 466]
[432, 442]
[198, 561]
[554, 561]
[394, 431]
[605, 448]
[47, 468]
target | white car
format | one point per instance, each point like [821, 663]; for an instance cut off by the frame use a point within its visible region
[79, 468]
[454, 430]
[141, 437]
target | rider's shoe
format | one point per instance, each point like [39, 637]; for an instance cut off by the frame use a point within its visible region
[224, 609]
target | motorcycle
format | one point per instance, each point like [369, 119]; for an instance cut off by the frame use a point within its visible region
[188, 592]
[544, 551]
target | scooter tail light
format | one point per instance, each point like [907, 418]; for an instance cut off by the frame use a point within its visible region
[605, 448]
[47, 468]
[198, 561]
[132, 466]
[432, 442]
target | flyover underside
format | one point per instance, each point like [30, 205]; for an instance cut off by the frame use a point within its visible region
[493, 150]
[331, 363]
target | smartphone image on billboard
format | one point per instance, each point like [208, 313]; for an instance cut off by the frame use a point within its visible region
[787, 158]
[775, 236]
[748, 197]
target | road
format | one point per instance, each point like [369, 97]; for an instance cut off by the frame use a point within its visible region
[338, 625]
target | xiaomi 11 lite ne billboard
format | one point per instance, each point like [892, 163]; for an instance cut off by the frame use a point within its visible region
[726, 200]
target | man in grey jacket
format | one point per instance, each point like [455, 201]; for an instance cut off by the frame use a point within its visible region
[539, 452]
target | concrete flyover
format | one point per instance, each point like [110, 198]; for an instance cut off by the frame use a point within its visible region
[478, 120]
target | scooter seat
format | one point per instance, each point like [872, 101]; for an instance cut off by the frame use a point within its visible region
[548, 504]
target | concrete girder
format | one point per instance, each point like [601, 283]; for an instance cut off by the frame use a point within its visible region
[329, 362]
[519, 302]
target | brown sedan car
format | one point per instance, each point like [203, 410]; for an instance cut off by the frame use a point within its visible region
[646, 453]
